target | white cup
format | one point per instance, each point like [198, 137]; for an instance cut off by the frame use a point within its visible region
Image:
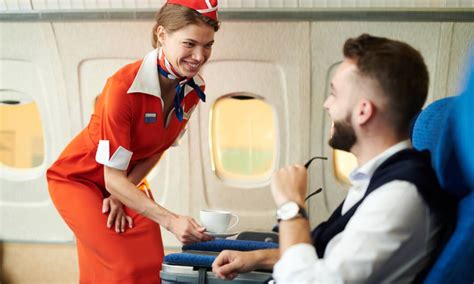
[217, 221]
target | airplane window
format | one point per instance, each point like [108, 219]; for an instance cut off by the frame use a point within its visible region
[344, 163]
[21, 131]
[243, 138]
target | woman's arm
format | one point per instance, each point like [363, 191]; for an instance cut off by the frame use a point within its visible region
[117, 217]
[124, 189]
[186, 229]
[141, 170]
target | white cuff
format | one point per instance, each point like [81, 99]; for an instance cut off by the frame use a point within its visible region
[120, 159]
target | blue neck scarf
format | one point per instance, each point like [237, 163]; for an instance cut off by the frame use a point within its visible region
[166, 70]
[178, 99]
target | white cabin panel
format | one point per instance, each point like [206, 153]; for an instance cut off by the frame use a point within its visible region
[30, 66]
[462, 43]
[262, 62]
[93, 74]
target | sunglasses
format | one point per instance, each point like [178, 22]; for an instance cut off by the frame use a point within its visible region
[307, 166]
[275, 227]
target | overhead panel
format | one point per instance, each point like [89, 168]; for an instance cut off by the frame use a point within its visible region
[278, 5]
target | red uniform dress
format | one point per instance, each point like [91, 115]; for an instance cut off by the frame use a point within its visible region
[126, 127]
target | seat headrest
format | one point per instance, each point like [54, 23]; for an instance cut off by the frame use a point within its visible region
[465, 124]
[433, 130]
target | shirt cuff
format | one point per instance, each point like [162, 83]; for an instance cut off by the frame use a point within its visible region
[295, 259]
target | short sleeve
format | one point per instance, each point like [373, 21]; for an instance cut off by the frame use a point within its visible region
[115, 125]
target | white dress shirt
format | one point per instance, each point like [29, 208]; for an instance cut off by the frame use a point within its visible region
[388, 239]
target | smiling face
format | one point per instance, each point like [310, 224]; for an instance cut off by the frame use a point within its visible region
[188, 48]
[340, 104]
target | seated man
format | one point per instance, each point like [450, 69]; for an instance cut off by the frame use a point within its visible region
[391, 223]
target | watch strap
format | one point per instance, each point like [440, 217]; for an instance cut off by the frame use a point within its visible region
[301, 214]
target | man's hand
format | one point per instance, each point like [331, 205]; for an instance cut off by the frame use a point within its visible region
[289, 184]
[187, 230]
[117, 218]
[229, 263]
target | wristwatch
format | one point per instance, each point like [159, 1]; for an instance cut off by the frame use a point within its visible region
[290, 210]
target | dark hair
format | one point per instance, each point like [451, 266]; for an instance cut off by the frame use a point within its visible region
[400, 71]
[174, 17]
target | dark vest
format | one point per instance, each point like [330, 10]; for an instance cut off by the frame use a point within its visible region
[407, 165]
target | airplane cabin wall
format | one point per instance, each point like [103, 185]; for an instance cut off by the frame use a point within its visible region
[66, 63]
[71, 61]
[278, 77]
[30, 65]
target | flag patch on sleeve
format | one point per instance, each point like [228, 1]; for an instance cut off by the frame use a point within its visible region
[150, 117]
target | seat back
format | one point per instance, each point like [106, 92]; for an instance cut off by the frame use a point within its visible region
[434, 131]
[465, 124]
[437, 130]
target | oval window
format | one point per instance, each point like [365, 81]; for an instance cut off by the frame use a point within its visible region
[344, 163]
[243, 139]
[21, 131]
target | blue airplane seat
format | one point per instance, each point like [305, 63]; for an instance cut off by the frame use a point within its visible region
[194, 264]
[434, 130]
[465, 124]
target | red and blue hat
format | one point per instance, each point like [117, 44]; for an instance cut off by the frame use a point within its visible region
[207, 8]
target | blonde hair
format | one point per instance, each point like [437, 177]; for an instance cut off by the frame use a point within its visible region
[174, 17]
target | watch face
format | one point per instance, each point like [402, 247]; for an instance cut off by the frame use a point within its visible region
[288, 210]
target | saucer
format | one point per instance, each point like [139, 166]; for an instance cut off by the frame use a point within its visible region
[221, 235]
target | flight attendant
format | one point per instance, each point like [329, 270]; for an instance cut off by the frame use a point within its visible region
[142, 111]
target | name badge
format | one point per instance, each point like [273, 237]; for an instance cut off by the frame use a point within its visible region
[150, 117]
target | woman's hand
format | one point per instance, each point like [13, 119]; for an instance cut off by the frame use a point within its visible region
[117, 217]
[187, 230]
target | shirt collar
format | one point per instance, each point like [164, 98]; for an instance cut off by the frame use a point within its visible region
[365, 172]
[146, 81]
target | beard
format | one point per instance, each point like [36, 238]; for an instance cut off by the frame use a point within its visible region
[344, 136]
